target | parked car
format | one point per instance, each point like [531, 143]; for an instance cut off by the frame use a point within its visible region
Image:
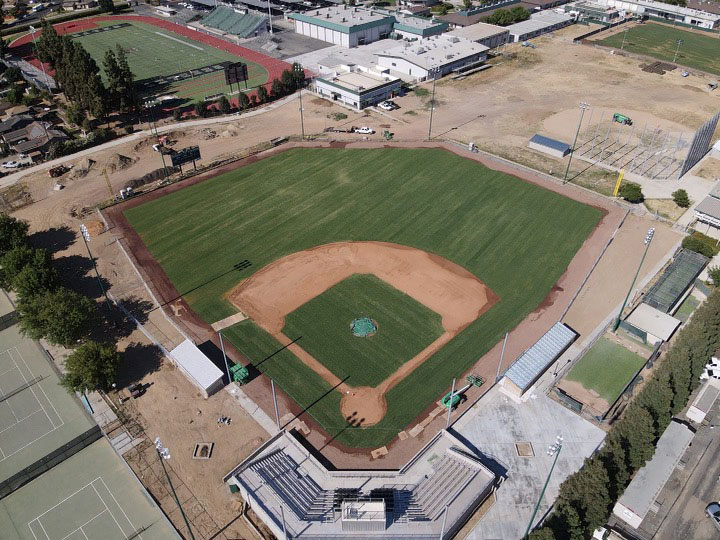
[388, 105]
[364, 130]
[11, 164]
[713, 512]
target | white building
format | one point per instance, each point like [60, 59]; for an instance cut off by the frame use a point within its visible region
[197, 367]
[485, 34]
[357, 86]
[346, 26]
[539, 24]
[441, 54]
[412, 28]
[666, 12]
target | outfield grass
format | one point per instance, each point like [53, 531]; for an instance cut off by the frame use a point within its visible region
[405, 327]
[156, 52]
[698, 50]
[516, 237]
[606, 368]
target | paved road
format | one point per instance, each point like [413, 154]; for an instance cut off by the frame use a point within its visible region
[686, 518]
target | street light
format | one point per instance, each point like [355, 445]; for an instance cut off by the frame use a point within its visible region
[553, 450]
[648, 239]
[42, 64]
[86, 238]
[434, 72]
[163, 454]
[677, 50]
[624, 37]
[583, 107]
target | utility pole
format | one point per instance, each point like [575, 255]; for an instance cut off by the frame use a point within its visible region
[302, 120]
[624, 36]
[434, 72]
[583, 107]
[553, 449]
[270, 18]
[648, 239]
[677, 50]
[163, 454]
[42, 64]
[86, 238]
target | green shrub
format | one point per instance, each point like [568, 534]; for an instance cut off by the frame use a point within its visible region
[701, 243]
[421, 92]
[632, 192]
[681, 198]
[714, 273]
[339, 116]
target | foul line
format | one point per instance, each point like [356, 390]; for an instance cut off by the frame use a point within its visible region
[181, 41]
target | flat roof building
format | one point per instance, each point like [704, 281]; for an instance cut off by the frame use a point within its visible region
[708, 211]
[653, 325]
[666, 12]
[357, 86]
[439, 54]
[346, 26]
[551, 147]
[640, 494]
[590, 11]
[539, 24]
[704, 401]
[490, 35]
[197, 367]
[409, 27]
[431, 496]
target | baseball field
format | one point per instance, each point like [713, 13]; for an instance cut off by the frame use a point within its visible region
[442, 254]
[697, 50]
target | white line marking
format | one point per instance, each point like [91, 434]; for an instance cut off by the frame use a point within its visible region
[21, 420]
[32, 390]
[107, 509]
[85, 535]
[180, 41]
[65, 499]
[39, 385]
[132, 527]
[33, 532]
[81, 526]
[9, 370]
[43, 529]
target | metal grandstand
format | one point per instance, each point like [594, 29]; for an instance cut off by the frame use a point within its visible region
[296, 496]
[238, 24]
[675, 280]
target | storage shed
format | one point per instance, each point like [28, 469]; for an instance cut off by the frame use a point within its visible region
[197, 367]
[549, 146]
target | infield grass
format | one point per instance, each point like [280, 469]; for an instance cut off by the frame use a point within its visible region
[698, 50]
[516, 237]
[156, 52]
[606, 368]
[405, 327]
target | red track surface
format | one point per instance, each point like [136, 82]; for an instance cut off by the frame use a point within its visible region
[273, 66]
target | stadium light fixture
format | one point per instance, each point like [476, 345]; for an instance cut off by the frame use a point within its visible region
[164, 453]
[583, 107]
[86, 238]
[677, 50]
[434, 72]
[648, 239]
[553, 450]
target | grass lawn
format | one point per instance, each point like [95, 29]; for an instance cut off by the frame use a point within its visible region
[606, 368]
[155, 52]
[699, 50]
[405, 327]
[686, 308]
[516, 237]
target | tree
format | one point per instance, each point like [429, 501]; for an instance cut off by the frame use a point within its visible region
[177, 115]
[12, 262]
[14, 95]
[681, 198]
[3, 48]
[106, 6]
[443, 9]
[637, 436]
[298, 74]
[13, 233]
[126, 87]
[224, 105]
[632, 192]
[287, 80]
[276, 89]
[13, 74]
[714, 273]
[243, 101]
[112, 76]
[693, 243]
[542, 534]
[63, 317]
[36, 276]
[467, 4]
[92, 366]
[200, 109]
[262, 94]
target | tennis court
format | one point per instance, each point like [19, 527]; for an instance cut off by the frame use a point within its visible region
[26, 412]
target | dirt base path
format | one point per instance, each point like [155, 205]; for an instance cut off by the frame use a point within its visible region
[286, 284]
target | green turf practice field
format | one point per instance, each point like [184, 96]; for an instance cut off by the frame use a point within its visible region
[698, 50]
[514, 236]
[405, 327]
[155, 52]
[606, 368]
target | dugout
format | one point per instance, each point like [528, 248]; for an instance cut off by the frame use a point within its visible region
[197, 367]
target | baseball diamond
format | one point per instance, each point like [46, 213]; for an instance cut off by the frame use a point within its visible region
[443, 253]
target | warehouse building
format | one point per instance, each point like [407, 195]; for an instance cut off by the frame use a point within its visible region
[551, 147]
[490, 35]
[412, 28]
[539, 24]
[357, 86]
[639, 497]
[666, 12]
[590, 11]
[346, 26]
[439, 54]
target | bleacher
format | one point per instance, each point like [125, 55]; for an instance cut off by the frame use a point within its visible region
[229, 21]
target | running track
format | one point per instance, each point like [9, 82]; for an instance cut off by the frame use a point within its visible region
[273, 66]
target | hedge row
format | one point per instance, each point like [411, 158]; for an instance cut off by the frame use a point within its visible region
[586, 498]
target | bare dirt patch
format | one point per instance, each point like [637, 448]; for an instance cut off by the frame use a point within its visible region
[290, 282]
[665, 208]
[589, 398]
[709, 169]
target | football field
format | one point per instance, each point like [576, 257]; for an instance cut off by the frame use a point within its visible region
[699, 50]
[505, 234]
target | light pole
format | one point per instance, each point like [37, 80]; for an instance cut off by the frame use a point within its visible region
[86, 238]
[648, 239]
[42, 64]
[302, 119]
[270, 17]
[434, 72]
[583, 107]
[163, 454]
[553, 449]
[150, 105]
[624, 37]
[677, 50]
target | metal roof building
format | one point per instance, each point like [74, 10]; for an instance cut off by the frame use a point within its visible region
[677, 278]
[704, 400]
[639, 496]
[655, 324]
[708, 211]
[531, 364]
[538, 24]
[197, 367]
[489, 35]
[549, 146]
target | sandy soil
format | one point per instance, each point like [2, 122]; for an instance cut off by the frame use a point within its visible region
[288, 283]
[709, 169]
[589, 398]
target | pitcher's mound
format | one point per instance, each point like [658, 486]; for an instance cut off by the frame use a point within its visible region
[363, 406]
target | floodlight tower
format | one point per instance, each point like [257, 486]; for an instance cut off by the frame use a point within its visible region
[677, 50]
[583, 107]
[434, 72]
[164, 453]
[553, 450]
[86, 238]
[648, 240]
